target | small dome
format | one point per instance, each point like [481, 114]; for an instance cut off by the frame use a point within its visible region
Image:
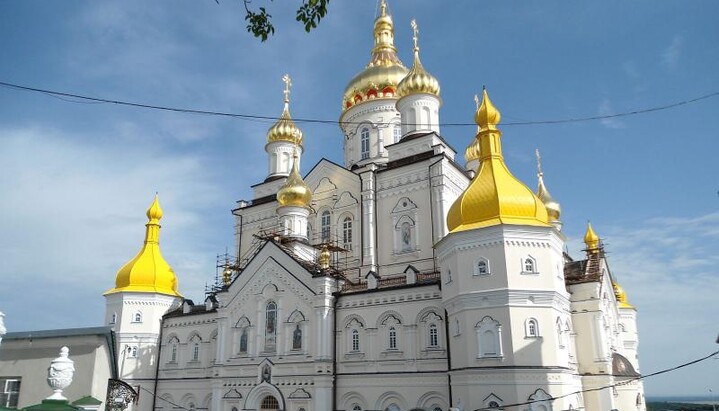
[621, 295]
[285, 129]
[554, 210]
[325, 257]
[418, 80]
[591, 239]
[384, 71]
[295, 192]
[148, 272]
[494, 195]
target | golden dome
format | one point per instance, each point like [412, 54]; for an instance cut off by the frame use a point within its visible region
[384, 71]
[591, 239]
[621, 295]
[285, 129]
[294, 192]
[148, 272]
[554, 210]
[494, 195]
[418, 80]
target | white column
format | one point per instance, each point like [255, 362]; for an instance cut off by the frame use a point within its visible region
[368, 220]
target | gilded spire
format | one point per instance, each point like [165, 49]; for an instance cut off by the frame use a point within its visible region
[494, 195]
[554, 210]
[285, 129]
[148, 272]
[591, 239]
[385, 70]
[295, 192]
[418, 80]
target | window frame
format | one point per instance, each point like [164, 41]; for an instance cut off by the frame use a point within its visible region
[364, 143]
[354, 341]
[481, 267]
[531, 329]
[347, 228]
[325, 226]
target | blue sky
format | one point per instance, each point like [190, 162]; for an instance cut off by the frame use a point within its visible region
[76, 178]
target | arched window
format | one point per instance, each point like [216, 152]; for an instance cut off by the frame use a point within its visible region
[364, 143]
[433, 336]
[356, 408]
[297, 338]
[174, 343]
[392, 338]
[397, 132]
[114, 318]
[532, 328]
[270, 326]
[137, 318]
[482, 267]
[347, 233]
[529, 265]
[449, 276]
[270, 403]
[493, 404]
[392, 407]
[196, 351]
[406, 236]
[489, 336]
[326, 224]
[243, 341]
[355, 340]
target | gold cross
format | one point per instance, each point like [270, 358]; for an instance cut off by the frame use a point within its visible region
[476, 101]
[288, 84]
[415, 30]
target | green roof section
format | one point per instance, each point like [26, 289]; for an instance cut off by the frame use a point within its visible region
[52, 405]
[87, 400]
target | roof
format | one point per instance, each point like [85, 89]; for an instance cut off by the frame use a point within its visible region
[622, 367]
[64, 332]
[87, 400]
[52, 405]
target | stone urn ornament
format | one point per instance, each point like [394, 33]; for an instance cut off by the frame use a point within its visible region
[59, 375]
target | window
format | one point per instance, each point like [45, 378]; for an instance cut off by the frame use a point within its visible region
[243, 341]
[449, 276]
[137, 318]
[456, 328]
[529, 265]
[114, 318]
[270, 326]
[532, 328]
[406, 236]
[397, 133]
[10, 392]
[355, 340]
[482, 267]
[493, 404]
[325, 224]
[433, 336]
[392, 338]
[364, 143]
[347, 233]
[196, 351]
[356, 408]
[173, 349]
[132, 351]
[270, 403]
[297, 338]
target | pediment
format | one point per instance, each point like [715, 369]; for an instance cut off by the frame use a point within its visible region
[346, 199]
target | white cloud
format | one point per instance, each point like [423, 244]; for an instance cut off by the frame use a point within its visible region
[74, 213]
[605, 108]
[672, 54]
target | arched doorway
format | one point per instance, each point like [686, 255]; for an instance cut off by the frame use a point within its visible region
[269, 403]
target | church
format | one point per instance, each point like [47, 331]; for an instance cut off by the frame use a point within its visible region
[406, 275]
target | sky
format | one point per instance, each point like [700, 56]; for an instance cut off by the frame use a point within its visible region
[77, 177]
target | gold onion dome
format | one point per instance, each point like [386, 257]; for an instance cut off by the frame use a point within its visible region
[494, 195]
[591, 239]
[418, 80]
[554, 210]
[285, 129]
[621, 295]
[384, 71]
[295, 192]
[148, 272]
[325, 257]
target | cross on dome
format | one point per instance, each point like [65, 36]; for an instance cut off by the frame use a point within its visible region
[288, 83]
[539, 162]
[415, 35]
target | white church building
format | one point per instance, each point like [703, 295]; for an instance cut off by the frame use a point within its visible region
[404, 276]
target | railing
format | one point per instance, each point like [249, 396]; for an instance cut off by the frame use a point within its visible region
[391, 282]
[428, 277]
[350, 288]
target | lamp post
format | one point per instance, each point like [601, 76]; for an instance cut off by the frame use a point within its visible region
[714, 405]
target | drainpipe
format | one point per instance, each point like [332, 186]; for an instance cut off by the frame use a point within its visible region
[449, 357]
[157, 368]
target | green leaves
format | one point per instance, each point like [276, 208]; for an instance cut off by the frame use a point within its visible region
[259, 23]
[311, 12]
